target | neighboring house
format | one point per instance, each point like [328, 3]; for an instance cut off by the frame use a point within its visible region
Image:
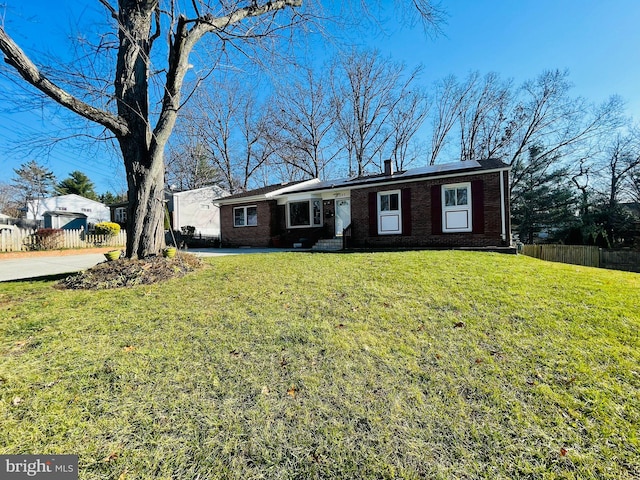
[197, 208]
[68, 212]
[194, 208]
[462, 204]
[119, 213]
[7, 220]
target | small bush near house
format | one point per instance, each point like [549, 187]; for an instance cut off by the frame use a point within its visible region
[47, 239]
[111, 229]
[188, 231]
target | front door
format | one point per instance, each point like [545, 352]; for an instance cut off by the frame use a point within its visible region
[343, 215]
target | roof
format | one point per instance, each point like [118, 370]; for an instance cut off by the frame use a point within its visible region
[76, 197]
[467, 166]
[315, 185]
[216, 189]
[270, 190]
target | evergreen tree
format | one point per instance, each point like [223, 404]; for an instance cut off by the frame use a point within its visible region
[34, 182]
[77, 183]
[109, 198]
[543, 200]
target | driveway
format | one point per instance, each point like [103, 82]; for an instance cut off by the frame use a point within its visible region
[44, 266]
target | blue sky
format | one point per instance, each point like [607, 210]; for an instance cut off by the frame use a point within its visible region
[597, 42]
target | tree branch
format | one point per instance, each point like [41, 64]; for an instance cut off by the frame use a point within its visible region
[183, 42]
[15, 57]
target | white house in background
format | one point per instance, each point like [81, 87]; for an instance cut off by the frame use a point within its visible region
[197, 208]
[67, 211]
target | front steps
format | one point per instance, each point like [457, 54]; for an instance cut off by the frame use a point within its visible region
[328, 245]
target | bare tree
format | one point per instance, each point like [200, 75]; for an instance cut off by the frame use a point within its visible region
[139, 24]
[10, 200]
[482, 115]
[405, 122]
[124, 109]
[189, 166]
[229, 122]
[301, 124]
[367, 90]
[496, 120]
[623, 157]
[559, 124]
[450, 97]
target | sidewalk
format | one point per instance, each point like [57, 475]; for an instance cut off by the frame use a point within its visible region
[42, 264]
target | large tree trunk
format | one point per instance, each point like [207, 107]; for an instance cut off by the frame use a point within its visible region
[146, 210]
[142, 145]
[142, 158]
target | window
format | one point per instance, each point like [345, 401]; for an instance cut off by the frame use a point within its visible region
[389, 214]
[456, 208]
[245, 216]
[120, 215]
[307, 213]
[204, 206]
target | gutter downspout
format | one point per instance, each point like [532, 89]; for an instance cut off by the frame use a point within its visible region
[503, 231]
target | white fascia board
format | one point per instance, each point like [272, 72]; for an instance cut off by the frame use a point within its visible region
[219, 192]
[292, 188]
[430, 177]
[267, 196]
[240, 200]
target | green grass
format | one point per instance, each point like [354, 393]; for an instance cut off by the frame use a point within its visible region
[304, 366]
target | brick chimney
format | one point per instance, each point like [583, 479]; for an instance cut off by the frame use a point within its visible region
[388, 168]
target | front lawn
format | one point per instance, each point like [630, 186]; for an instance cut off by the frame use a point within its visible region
[294, 365]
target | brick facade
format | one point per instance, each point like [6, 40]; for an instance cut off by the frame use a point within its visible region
[272, 230]
[421, 222]
[420, 212]
[255, 236]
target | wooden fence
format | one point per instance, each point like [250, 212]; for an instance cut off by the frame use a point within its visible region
[588, 256]
[18, 240]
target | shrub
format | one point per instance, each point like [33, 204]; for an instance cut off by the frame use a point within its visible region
[188, 231]
[110, 229]
[47, 239]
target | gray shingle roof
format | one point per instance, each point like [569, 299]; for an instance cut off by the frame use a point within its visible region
[420, 172]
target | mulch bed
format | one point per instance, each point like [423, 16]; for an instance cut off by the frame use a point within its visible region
[126, 273]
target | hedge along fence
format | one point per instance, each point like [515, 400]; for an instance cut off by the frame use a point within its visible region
[20, 240]
[588, 256]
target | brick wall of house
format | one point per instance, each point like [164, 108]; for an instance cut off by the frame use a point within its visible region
[255, 236]
[422, 234]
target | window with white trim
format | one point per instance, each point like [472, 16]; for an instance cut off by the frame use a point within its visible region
[306, 213]
[389, 213]
[245, 216]
[456, 207]
[120, 215]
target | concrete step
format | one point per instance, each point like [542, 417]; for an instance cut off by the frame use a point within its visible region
[328, 244]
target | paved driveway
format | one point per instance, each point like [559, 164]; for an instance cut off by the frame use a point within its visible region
[32, 267]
